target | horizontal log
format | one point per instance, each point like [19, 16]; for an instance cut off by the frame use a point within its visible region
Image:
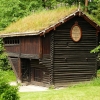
[30, 56]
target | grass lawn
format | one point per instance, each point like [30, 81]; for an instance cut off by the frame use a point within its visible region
[82, 91]
[72, 93]
[8, 75]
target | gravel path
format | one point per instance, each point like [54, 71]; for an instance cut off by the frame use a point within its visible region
[32, 88]
[29, 88]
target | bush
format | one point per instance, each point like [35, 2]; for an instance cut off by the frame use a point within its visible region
[8, 75]
[4, 64]
[3, 85]
[8, 92]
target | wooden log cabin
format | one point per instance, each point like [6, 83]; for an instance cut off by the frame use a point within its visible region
[57, 55]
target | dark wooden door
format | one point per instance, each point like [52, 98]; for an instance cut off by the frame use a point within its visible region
[38, 75]
[25, 69]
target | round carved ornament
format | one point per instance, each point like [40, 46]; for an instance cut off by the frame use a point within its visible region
[76, 33]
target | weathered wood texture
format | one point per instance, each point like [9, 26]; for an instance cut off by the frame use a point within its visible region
[46, 44]
[43, 70]
[98, 63]
[72, 60]
[13, 48]
[28, 47]
[16, 63]
[25, 70]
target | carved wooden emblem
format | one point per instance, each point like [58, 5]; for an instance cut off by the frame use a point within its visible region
[76, 32]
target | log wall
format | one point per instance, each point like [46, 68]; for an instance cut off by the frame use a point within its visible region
[43, 70]
[72, 61]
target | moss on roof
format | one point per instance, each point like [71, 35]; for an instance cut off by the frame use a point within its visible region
[39, 20]
[93, 18]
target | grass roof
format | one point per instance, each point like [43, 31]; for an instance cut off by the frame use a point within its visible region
[39, 20]
[93, 18]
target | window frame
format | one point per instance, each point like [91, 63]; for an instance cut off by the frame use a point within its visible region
[80, 32]
[11, 42]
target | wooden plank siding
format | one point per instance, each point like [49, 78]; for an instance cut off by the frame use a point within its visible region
[72, 61]
[13, 48]
[16, 63]
[28, 47]
[46, 44]
[45, 79]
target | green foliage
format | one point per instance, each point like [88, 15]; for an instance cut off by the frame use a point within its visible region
[94, 8]
[95, 50]
[8, 75]
[4, 65]
[7, 92]
[3, 85]
[94, 82]
[10, 94]
[12, 10]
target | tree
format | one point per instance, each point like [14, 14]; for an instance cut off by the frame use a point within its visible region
[12, 10]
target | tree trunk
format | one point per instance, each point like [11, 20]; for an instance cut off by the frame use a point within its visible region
[86, 5]
[43, 2]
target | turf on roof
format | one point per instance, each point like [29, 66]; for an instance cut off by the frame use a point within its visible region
[39, 21]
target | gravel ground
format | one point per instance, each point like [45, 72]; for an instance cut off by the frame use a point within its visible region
[29, 88]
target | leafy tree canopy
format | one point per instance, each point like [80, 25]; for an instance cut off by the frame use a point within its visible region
[12, 10]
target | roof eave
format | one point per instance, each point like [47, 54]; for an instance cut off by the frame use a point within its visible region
[93, 23]
[16, 34]
[54, 26]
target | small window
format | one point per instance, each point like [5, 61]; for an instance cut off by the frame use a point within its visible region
[11, 42]
[76, 32]
[6, 41]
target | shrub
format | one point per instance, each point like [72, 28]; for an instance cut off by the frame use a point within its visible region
[4, 64]
[10, 94]
[3, 85]
[7, 92]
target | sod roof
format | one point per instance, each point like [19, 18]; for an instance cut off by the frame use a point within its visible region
[42, 22]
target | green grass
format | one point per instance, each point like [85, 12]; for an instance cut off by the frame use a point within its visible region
[72, 93]
[39, 20]
[83, 91]
[8, 75]
[93, 18]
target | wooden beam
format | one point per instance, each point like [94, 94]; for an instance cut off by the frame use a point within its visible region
[19, 68]
[40, 47]
[30, 56]
[13, 68]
